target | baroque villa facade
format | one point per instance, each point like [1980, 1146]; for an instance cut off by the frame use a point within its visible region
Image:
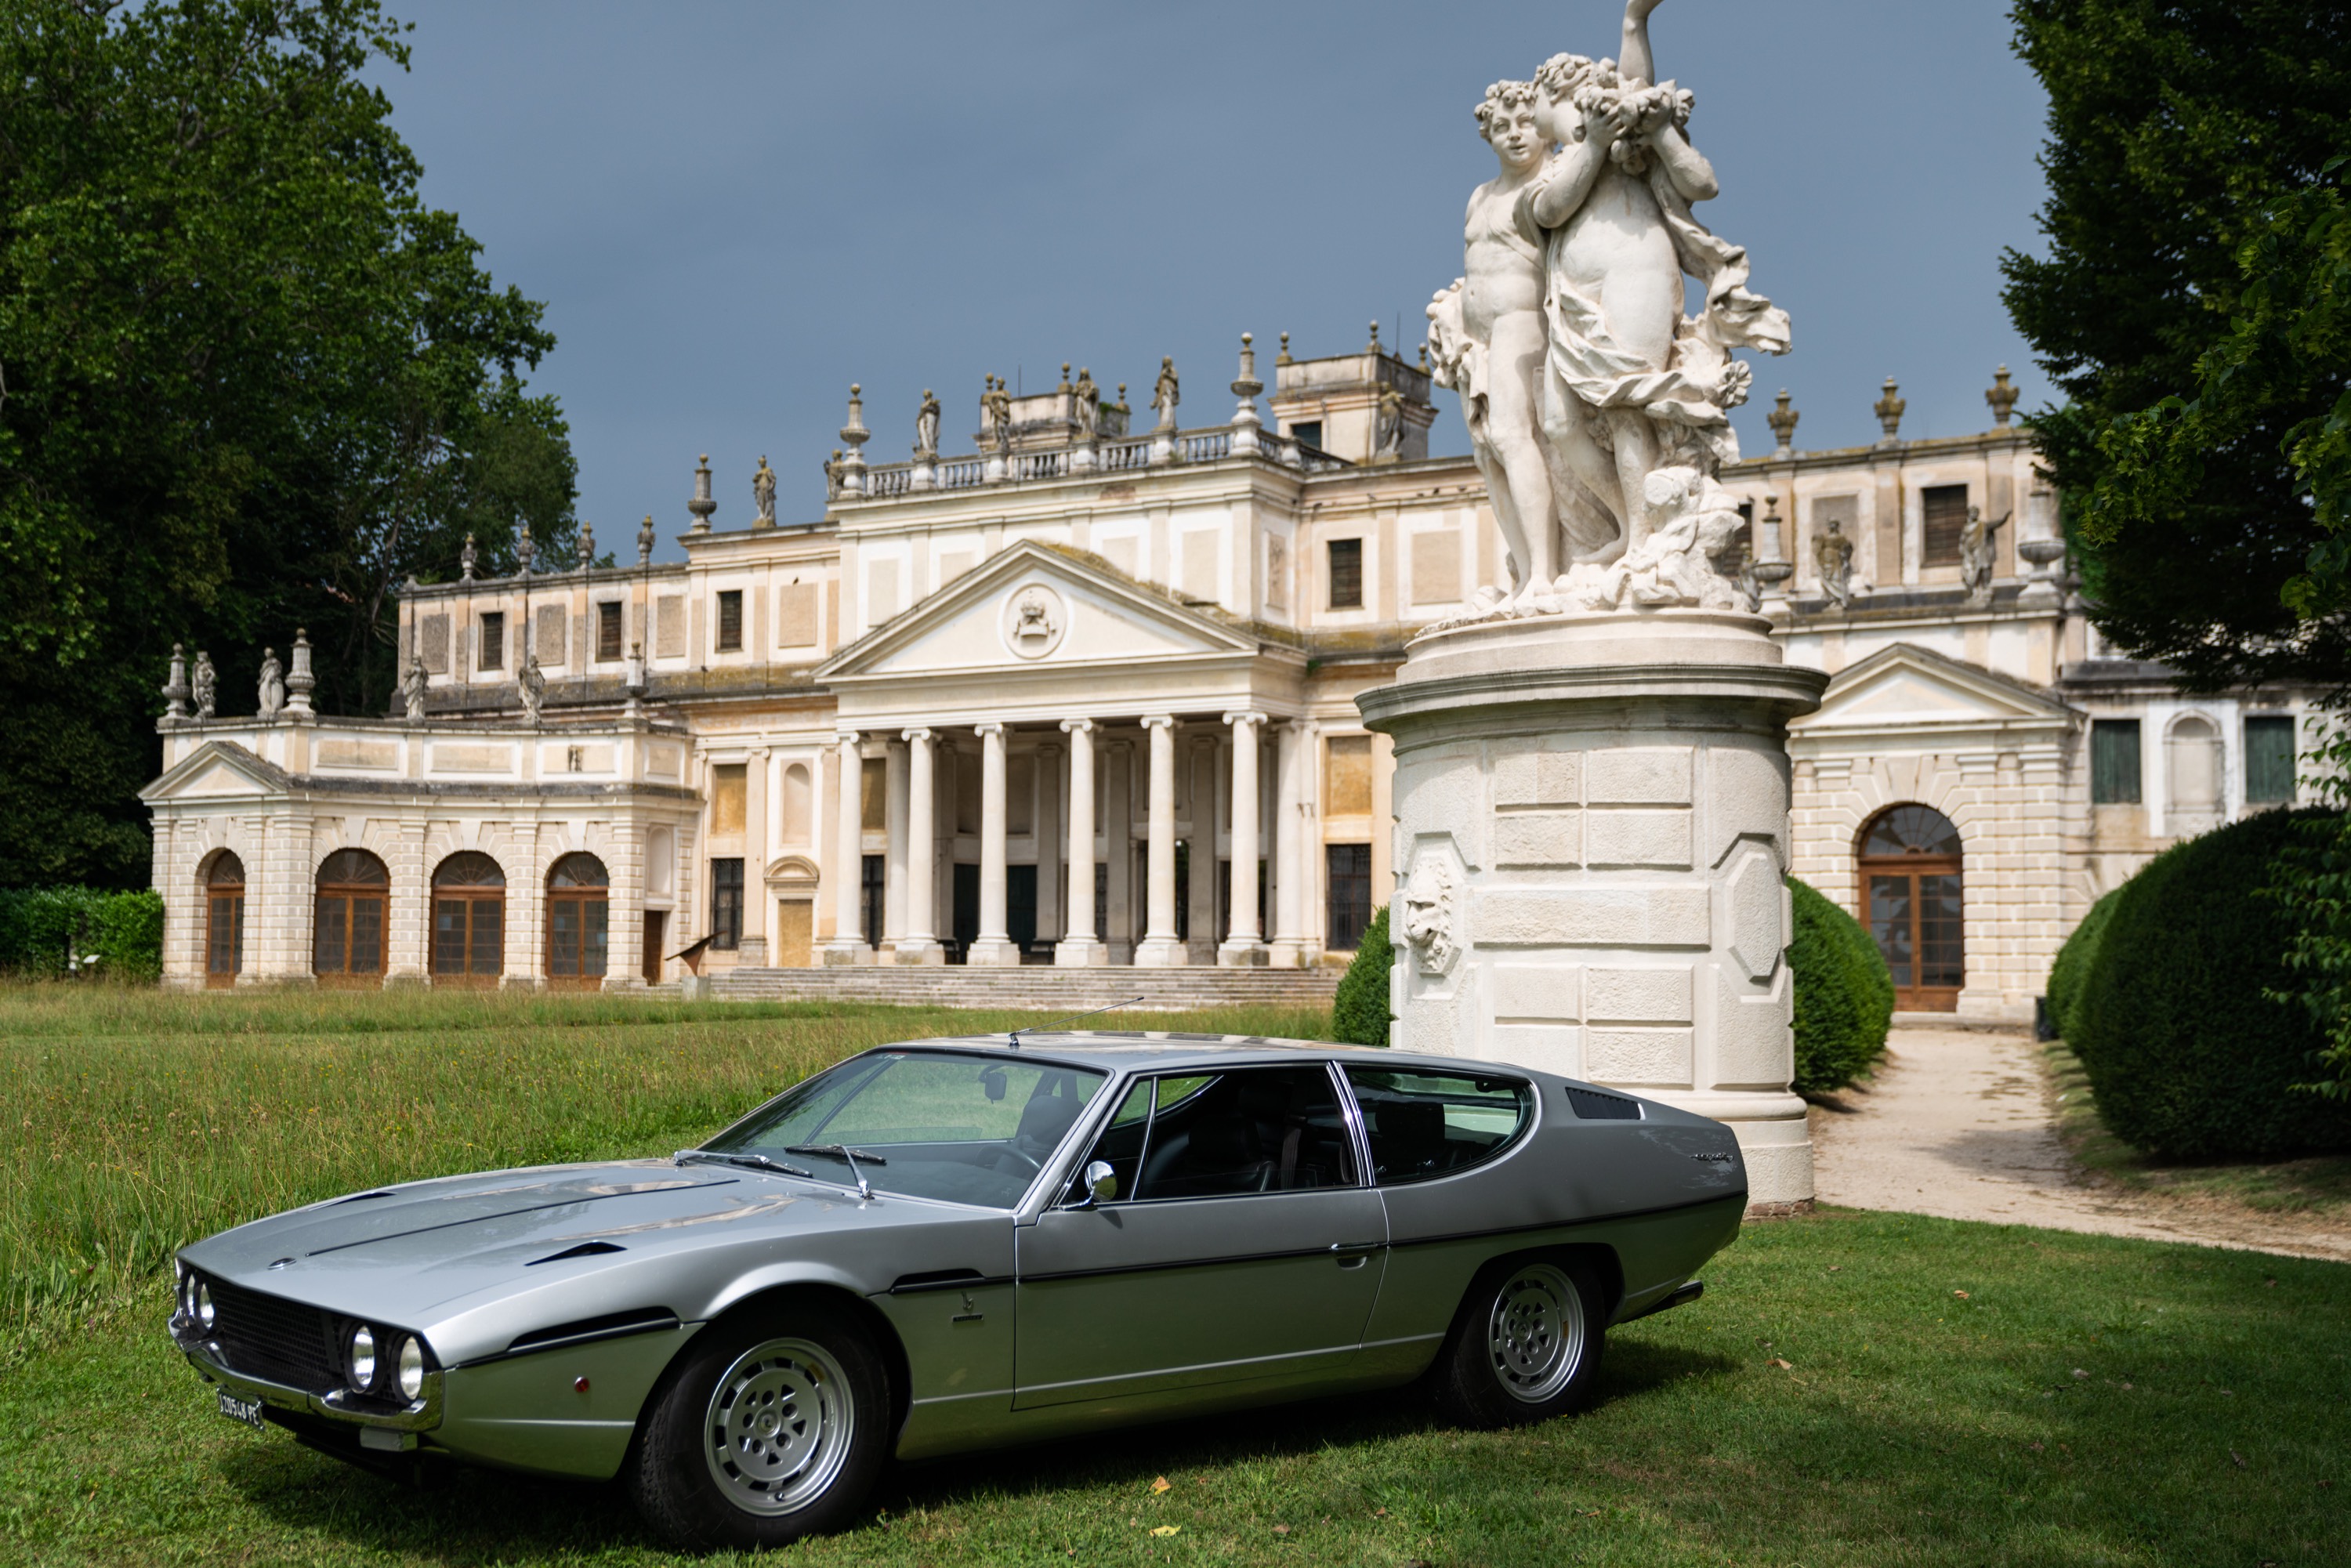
[1089, 698]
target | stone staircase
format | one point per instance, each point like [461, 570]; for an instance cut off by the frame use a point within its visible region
[1035, 986]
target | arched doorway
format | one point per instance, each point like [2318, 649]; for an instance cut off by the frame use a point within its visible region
[347, 939]
[577, 912]
[1910, 883]
[224, 920]
[469, 920]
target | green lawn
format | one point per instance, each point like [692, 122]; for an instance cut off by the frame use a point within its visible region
[2087, 1400]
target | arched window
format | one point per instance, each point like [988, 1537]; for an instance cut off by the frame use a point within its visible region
[578, 919]
[1911, 896]
[799, 798]
[469, 920]
[2191, 767]
[346, 940]
[224, 920]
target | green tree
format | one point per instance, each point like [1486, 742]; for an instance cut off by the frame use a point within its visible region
[248, 382]
[2182, 133]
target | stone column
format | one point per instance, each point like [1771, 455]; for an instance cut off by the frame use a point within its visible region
[1244, 949]
[920, 944]
[1293, 761]
[753, 952]
[848, 943]
[895, 810]
[1045, 831]
[1199, 763]
[408, 913]
[993, 946]
[1159, 950]
[1592, 827]
[1080, 946]
[1118, 835]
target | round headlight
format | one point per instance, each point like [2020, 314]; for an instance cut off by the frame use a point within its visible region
[363, 1358]
[411, 1363]
[206, 1311]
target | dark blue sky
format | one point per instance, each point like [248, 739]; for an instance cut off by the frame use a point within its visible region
[734, 210]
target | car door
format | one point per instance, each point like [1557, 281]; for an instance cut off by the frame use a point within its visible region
[1242, 1245]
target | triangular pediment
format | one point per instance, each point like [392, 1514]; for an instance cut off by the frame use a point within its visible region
[217, 767]
[1037, 608]
[1909, 688]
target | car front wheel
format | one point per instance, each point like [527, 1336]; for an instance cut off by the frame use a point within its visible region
[1525, 1347]
[773, 1428]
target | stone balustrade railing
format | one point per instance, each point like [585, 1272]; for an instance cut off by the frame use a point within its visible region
[1122, 455]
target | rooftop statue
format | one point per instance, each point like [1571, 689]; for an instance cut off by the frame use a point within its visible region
[413, 684]
[207, 685]
[763, 492]
[1833, 556]
[1598, 412]
[927, 426]
[273, 685]
[1977, 556]
[1086, 403]
[1165, 394]
[533, 687]
[995, 414]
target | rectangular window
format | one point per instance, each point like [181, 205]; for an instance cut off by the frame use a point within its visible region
[727, 904]
[1346, 574]
[1947, 518]
[608, 629]
[872, 873]
[728, 786]
[494, 641]
[2268, 759]
[730, 621]
[1350, 869]
[1347, 776]
[1308, 433]
[2114, 761]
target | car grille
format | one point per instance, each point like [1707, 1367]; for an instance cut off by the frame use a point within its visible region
[272, 1338]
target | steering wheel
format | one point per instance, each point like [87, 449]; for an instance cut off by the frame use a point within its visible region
[1033, 1164]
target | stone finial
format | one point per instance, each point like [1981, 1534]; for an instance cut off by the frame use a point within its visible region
[175, 689]
[1782, 421]
[2002, 398]
[300, 681]
[1888, 410]
[207, 685]
[1064, 388]
[1424, 359]
[465, 559]
[1121, 405]
[524, 551]
[854, 434]
[704, 502]
[1246, 385]
[645, 541]
[1284, 358]
[584, 552]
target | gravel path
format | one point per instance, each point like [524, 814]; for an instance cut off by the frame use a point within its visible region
[1956, 1123]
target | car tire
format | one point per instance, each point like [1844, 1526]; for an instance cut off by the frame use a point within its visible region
[1525, 1346]
[772, 1427]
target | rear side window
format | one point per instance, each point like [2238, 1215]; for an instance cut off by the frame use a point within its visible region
[1227, 1135]
[1429, 1124]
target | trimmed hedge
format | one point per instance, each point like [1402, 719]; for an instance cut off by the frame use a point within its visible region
[2189, 1053]
[40, 927]
[1359, 1013]
[2072, 966]
[1844, 994]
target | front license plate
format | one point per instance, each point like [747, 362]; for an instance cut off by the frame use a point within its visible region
[246, 1410]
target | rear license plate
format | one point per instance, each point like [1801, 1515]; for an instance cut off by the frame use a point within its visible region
[246, 1410]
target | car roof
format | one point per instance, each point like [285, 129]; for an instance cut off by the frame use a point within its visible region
[1152, 1051]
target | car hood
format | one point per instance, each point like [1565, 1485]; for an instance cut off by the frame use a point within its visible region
[395, 1253]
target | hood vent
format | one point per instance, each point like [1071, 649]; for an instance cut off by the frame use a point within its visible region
[1591, 1106]
[611, 1326]
[585, 1249]
[357, 1197]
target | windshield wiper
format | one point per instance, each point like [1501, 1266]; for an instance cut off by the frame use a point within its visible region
[757, 1162]
[843, 1152]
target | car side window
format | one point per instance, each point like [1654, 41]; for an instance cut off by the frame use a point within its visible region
[1223, 1134]
[1427, 1124]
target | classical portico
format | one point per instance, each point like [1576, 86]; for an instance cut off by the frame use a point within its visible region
[1086, 777]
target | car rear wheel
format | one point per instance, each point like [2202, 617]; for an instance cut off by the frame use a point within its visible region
[771, 1429]
[1525, 1346]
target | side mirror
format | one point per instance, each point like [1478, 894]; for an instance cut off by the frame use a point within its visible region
[1101, 1184]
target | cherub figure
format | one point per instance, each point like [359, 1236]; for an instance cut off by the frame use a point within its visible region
[1631, 385]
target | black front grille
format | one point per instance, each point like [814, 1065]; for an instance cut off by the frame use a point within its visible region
[281, 1341]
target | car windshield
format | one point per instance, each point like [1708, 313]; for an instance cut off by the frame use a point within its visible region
[965, 1129]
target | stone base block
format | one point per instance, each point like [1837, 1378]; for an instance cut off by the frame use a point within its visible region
[918, 950]
[1237, 955]
[1080, 953]
[1162, 953]
[696, 988]
[840, 955]
[994, 953]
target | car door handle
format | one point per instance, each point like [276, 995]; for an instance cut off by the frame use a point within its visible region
[1347, 1248]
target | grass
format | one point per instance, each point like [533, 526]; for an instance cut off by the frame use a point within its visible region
[2319, 1188]
[1862, 1389]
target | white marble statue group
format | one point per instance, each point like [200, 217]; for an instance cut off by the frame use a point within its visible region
[1598, 412]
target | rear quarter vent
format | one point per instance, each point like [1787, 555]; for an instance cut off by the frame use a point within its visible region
[1591, 1106]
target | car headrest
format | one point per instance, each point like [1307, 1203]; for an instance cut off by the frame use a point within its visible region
[1046, 1118]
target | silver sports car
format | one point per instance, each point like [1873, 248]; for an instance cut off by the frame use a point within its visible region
[956, 1244]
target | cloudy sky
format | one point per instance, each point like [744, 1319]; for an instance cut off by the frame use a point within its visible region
[733, 210]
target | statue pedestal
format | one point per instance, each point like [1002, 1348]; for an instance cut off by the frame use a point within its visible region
[1592, 831]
